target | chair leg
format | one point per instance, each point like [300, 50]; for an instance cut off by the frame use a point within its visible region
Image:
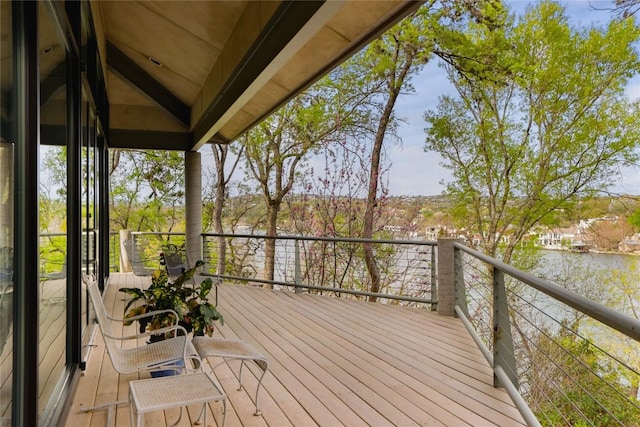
[203, 413]
[131, 414]
[180, 418]
[224, 412]
[257, 413]
[240, 375]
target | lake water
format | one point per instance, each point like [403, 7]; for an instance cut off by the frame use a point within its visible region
[601, 260]
[598, 276]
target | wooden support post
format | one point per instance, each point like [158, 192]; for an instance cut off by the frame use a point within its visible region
[193, 206]
[125, 263]
[446, 276]
[503, 354]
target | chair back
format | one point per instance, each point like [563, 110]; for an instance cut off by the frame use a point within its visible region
[128, 247]
[103, 322]
[174, 260]
[137, 265]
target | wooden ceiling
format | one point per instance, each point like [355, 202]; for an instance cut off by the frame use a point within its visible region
[184, 73]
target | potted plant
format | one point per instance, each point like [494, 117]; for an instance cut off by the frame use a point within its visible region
[195, 313]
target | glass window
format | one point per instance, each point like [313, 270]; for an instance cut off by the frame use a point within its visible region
[7, 86]
[53, 205]
[89, 234]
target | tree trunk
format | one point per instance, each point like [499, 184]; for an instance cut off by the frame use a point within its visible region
[220, 156]
[367, 233]
[217, 225]
[372, 193]
[270, 244]
[395, 81]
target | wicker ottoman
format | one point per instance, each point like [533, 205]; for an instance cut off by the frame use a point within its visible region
[229, 349]
[155, 394]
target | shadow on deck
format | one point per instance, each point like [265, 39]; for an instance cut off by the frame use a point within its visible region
[332, 362]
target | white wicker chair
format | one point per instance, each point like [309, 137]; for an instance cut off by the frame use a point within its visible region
[175, 353]
[137, 264]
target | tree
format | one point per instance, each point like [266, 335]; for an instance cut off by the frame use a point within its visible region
[147, 189]
[609, 233]
[276, 150]
[331, 205]
[583, 376]
[540, 120]
[382, 71]
[220, 155]
[548, 124]
[626, 8]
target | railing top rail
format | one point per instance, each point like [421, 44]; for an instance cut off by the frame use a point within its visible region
[618, 321]
[158, 233]
[326, 239]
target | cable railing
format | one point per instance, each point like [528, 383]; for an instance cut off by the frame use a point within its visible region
[572, 360]
[563, 358]
[327, 264]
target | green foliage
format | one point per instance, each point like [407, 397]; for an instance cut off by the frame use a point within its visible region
[195, 312]
[147, 190]
[581, 383]
[540, 121]
[53, 250]
[634, 219]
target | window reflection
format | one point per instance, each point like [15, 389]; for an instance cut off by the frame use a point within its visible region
[53, 205]
[7, 86]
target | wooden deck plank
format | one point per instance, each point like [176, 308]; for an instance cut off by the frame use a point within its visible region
[444, 377]
[445, 339]
[332, 362]
[315, 365]
[299, 381]
[377, 396]
[447, 354]
[387, 381]
[439, 393]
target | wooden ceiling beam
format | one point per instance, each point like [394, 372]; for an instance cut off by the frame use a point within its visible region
[127, 69]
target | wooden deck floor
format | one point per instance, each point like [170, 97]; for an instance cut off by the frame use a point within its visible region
[332, 362]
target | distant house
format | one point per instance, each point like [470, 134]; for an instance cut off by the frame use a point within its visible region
[433, 232]
[630, 244]
[559, 238]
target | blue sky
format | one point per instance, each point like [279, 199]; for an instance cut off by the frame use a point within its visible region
[414, 172]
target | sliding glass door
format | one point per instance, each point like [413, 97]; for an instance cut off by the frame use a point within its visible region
[53, 193]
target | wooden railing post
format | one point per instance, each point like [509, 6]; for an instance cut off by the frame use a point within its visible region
[460, 288]
[434, 278]
[503, 354]
[446, 276]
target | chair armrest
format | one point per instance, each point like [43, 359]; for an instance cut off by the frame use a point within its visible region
[142, 316]
[149, 333]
